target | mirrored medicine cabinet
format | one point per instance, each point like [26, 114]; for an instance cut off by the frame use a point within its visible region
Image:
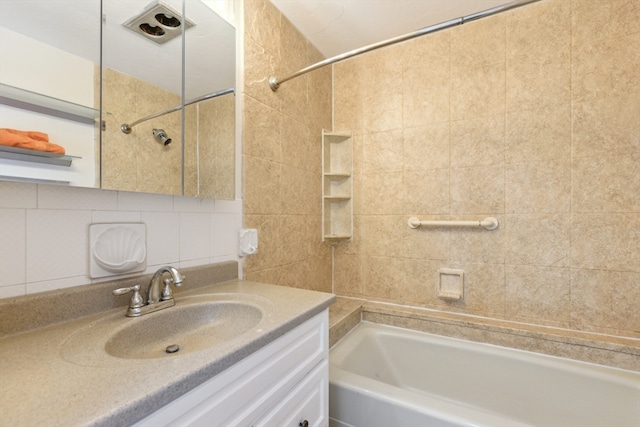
[139, 93]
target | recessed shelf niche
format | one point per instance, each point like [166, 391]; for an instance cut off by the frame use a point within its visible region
[337, 186]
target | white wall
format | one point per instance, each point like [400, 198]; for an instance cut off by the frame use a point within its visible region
[68, 76]
[44, 232]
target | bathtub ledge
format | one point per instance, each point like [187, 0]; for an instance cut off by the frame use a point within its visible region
[344, 315]
[618, 352]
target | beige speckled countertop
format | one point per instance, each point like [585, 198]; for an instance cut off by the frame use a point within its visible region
[41, 387]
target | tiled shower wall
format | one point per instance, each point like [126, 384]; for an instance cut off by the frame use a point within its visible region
[281, 152]
[531, 116]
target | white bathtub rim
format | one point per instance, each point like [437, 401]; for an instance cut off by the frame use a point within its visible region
[451, 412]
[462, 413]
[340, 352]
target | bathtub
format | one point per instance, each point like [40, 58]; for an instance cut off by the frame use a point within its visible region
[385, 376]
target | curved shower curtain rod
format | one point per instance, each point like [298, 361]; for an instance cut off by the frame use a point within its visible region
[126, 128]
[275, 82]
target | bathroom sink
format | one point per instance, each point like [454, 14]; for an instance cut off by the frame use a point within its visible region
[193, 324]
[191, 327]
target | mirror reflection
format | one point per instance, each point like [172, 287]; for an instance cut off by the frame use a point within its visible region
[178, 151]
[49, 91]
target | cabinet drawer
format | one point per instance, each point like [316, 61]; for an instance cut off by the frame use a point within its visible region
[235, 396]
[307, 401]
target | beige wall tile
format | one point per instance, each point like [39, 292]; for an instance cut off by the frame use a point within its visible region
[543, 187]
[295, 98]
[430, 52]
[259, 65]
[319, 114]
[604, 68]
[384, 278]
[381, 235]
[606, 300]
[382, 152]
[421, 280]
[382, 96]
[347, 96]
[426, 243]
[263, 24]
[478, 142]
[480, 42]
[478, 244]
[538, 294]
[477, 190]
[427, 192]
[353, 246]
[270, 252]
[606, 241]
[295, 238]
[293, 47]
[262, 130]
[425, 80]
[606, 183]
[426, 147]
[539, 135]
[605, 126]
[300, 191]
[538, 56]
[261, 183]
[477, 90]
[300, 148]
[318, 273]
[381, 193]
[347, 275]
[538, 239]
[425, 102]
[484, 292]
[599, 19]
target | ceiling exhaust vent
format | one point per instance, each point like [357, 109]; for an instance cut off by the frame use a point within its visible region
[158, 22]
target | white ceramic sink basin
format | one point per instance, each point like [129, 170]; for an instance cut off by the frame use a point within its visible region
[193, 324]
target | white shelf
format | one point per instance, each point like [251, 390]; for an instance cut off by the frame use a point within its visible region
[34, 156]
[43, 104]
[337, 187]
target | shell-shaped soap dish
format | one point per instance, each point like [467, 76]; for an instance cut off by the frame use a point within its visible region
[120, 248]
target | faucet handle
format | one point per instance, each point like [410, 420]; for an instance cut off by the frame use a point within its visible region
[166, 290]
[136, 299]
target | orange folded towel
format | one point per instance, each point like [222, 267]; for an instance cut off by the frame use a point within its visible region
[30, 140]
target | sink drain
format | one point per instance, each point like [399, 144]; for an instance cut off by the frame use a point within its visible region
[173, 348]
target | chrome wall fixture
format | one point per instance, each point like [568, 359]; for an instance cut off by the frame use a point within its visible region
[161, 136]
[126, 128]
[275, 82]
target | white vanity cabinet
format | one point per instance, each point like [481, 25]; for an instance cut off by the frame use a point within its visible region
[283, 384]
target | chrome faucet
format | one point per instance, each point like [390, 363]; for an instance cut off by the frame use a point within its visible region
[153, 291]
[156, 299]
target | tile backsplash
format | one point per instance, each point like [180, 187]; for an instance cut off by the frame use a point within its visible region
[44, 232]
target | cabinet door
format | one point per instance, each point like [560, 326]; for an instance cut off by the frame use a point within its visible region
[254, 385]
[307, 401]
